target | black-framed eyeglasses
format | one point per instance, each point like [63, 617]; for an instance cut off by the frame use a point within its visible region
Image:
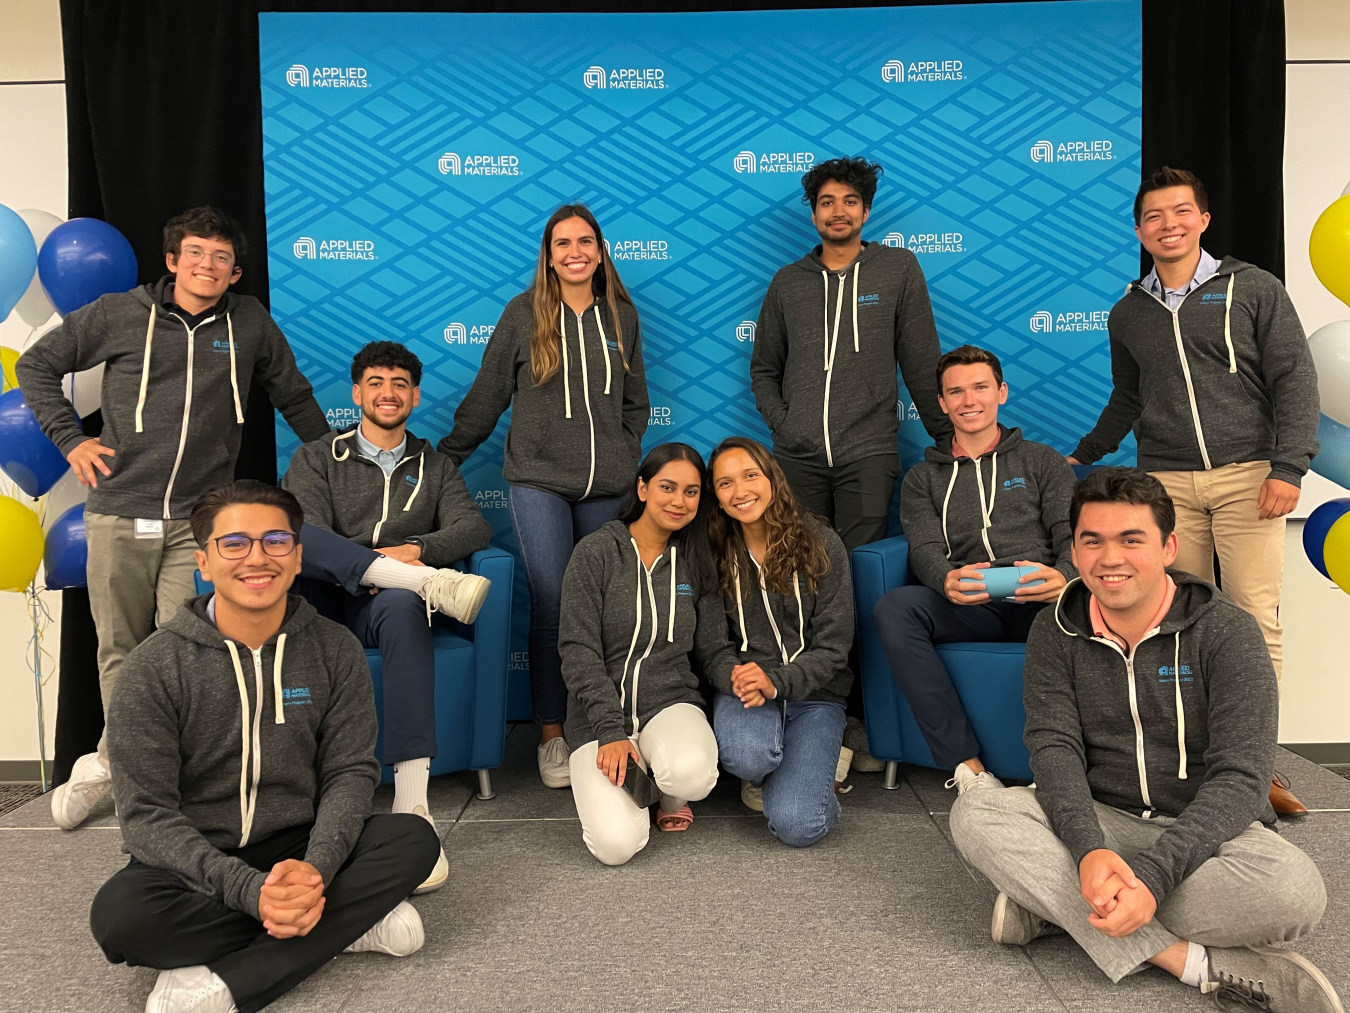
[238, 545]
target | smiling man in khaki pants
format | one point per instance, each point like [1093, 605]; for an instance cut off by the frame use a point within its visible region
[1211, 369]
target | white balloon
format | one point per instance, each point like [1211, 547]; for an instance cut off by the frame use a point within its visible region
[34, 306]
[61, 497]
[1346, 191]
[85, 390]
[1330, 347]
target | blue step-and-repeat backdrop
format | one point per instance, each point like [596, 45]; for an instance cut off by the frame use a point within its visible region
[412, 159]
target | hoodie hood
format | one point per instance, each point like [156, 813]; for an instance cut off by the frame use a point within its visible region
[1008, 440]
[160, 294]
[1193, 600]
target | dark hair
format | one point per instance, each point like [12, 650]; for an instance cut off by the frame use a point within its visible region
[1124, 485]
[389, 354]
[968, 355]
[1169, 177]
[245, 490]
[856, 172]
[792, 545]
[208, 223]
[692, 539]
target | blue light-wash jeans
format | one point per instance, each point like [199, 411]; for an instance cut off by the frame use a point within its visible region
[792, 749]
[548, 527]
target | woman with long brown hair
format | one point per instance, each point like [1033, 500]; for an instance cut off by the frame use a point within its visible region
[566, 358]
[779, 713]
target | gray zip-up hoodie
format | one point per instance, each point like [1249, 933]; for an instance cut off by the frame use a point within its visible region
[1185, 726]
[823, 366]
[579, 436]
[1010, 503]
[626, 634]
[173, 397]
[215, 746]
[425, 500]
[1226, 377]
[801, 640]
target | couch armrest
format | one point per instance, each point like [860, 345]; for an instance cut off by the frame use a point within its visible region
[492, 647]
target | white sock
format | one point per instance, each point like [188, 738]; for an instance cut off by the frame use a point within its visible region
[386, 572]
[1196, 971]
[410, 784]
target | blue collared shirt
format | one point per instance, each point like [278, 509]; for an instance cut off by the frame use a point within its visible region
[386, 459]
[1206, 269]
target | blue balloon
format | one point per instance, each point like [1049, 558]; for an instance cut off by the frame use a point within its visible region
[26, 456]
[83, 259]
[18, 260]
[1333, 459]
[67, 552]
[1315, 530]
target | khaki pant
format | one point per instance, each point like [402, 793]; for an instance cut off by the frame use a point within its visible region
[135, 584]
[1216, 511]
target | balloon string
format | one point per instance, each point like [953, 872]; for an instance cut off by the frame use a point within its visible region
[41, 617]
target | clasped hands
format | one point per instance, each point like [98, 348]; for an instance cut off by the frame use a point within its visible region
[1120, 903]
[957, 593]
[291, 899]
[752, 686]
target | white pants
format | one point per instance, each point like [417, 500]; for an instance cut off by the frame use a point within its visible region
[680, 751]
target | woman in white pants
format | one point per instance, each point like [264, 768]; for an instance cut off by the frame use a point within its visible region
[640, 594]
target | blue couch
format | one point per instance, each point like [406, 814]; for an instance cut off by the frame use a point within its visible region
[471, 671]
[987, 677]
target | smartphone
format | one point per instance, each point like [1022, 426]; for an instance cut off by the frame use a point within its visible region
[639, 785]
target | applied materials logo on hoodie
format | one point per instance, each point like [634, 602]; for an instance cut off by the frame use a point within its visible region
[900, 72]
[927, 242]
[300, 76]
[472, 334]
[1044, 322]
[773, 161]
[629, 78]
[1072, 151]
[306, 248]
[453, 164]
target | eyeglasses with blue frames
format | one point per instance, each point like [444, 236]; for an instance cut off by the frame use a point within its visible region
[238, 545]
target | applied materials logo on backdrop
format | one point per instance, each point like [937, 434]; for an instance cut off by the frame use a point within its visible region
[926, 242]
[631, 78]
[745, 330]
[474, 334]
[451, 164]
[898, 72]
[1044, 322]
[638, 249]
[1072, 151]
[300, 76]
[773, 161]
[306, 248]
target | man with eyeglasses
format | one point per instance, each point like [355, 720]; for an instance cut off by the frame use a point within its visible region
[179, 358]
[254, 857]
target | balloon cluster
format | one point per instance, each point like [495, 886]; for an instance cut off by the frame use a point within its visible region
[47, 266]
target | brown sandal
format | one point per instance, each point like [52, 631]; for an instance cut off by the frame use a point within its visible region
[676, 821]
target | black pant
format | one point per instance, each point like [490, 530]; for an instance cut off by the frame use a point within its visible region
[149, 917]
[855, 498]
[910, 620]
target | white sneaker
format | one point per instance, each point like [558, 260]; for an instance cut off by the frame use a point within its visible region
[457, 595]
[195, 989]
[553, 769]
[855, 737]
[967, 779]
[841, 768]
[89, 781]
[442, 870]
[752, 797]
[399, 934]
[1014, 925]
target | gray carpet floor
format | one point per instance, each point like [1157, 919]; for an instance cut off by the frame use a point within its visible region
[882, 915]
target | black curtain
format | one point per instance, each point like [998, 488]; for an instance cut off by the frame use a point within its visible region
[164, 113]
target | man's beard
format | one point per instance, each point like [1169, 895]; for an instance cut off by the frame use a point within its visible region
[375, 420]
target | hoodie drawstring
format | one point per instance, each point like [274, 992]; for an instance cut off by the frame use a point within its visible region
[1227, 321]
[567, 384]
[421, 465]
[986, 511]
[670, 626]
[346, 451]
[855, 304]
[145, 367]
[956, 466]
[768, 610]
[740, 610]
[637, 625]
[832, 345]
[248, 794]
[604, 347]
[234, 375]
[1181, 711]
[801, 618]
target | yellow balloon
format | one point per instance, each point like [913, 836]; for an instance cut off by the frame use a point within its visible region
[9, 356]
[1329, 249]
[20, 544]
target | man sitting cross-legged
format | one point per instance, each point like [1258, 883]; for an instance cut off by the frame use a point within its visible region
[1151, 720]
[984, 497]
[383, 489]
[242, 735]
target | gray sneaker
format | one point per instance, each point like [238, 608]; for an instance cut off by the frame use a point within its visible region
[1268, 978]
[855, 737]
[1014, 925]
